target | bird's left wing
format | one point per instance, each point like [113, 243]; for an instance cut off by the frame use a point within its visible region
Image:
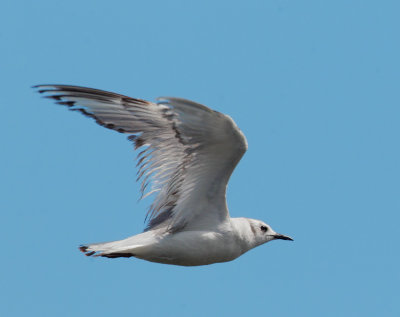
[189, 150]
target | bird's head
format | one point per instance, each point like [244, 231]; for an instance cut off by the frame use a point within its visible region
[264, 233]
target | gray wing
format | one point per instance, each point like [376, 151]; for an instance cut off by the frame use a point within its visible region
[189, 151]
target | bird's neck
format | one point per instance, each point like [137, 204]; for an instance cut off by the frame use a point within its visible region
[244, 233]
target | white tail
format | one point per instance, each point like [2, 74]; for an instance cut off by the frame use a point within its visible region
[121, 248]
[108, 249]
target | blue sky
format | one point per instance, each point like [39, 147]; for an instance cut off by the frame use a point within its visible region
[314, 85]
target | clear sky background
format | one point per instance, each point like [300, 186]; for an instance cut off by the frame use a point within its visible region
[314, 85]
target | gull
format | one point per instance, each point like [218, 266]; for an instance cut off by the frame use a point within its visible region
[189, 152]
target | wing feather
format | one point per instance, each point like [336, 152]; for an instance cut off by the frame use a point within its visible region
[189, 152]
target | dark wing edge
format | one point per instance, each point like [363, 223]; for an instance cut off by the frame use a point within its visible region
[157, 133]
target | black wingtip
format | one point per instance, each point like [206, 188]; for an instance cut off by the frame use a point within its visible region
[41, 85]
[39, 90]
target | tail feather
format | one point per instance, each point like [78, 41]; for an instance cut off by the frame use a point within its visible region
[84, 249]
[91, 250]
[125, 248]
[113, 249]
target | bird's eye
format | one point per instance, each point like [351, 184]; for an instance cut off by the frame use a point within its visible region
[264, 228]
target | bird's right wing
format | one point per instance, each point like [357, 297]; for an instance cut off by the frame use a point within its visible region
[189, 152]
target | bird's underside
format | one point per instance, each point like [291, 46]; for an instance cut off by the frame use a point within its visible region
[187, 248]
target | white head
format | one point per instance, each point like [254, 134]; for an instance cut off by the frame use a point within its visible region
[262, 232]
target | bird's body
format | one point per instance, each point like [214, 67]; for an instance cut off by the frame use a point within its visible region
[190, 152]
[188, 247]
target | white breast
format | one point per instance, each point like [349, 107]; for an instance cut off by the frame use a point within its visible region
[191, 248]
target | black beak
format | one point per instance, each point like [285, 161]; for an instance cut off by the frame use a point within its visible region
[282, 237]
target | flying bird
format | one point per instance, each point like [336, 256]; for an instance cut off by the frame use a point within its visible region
[188, 153]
